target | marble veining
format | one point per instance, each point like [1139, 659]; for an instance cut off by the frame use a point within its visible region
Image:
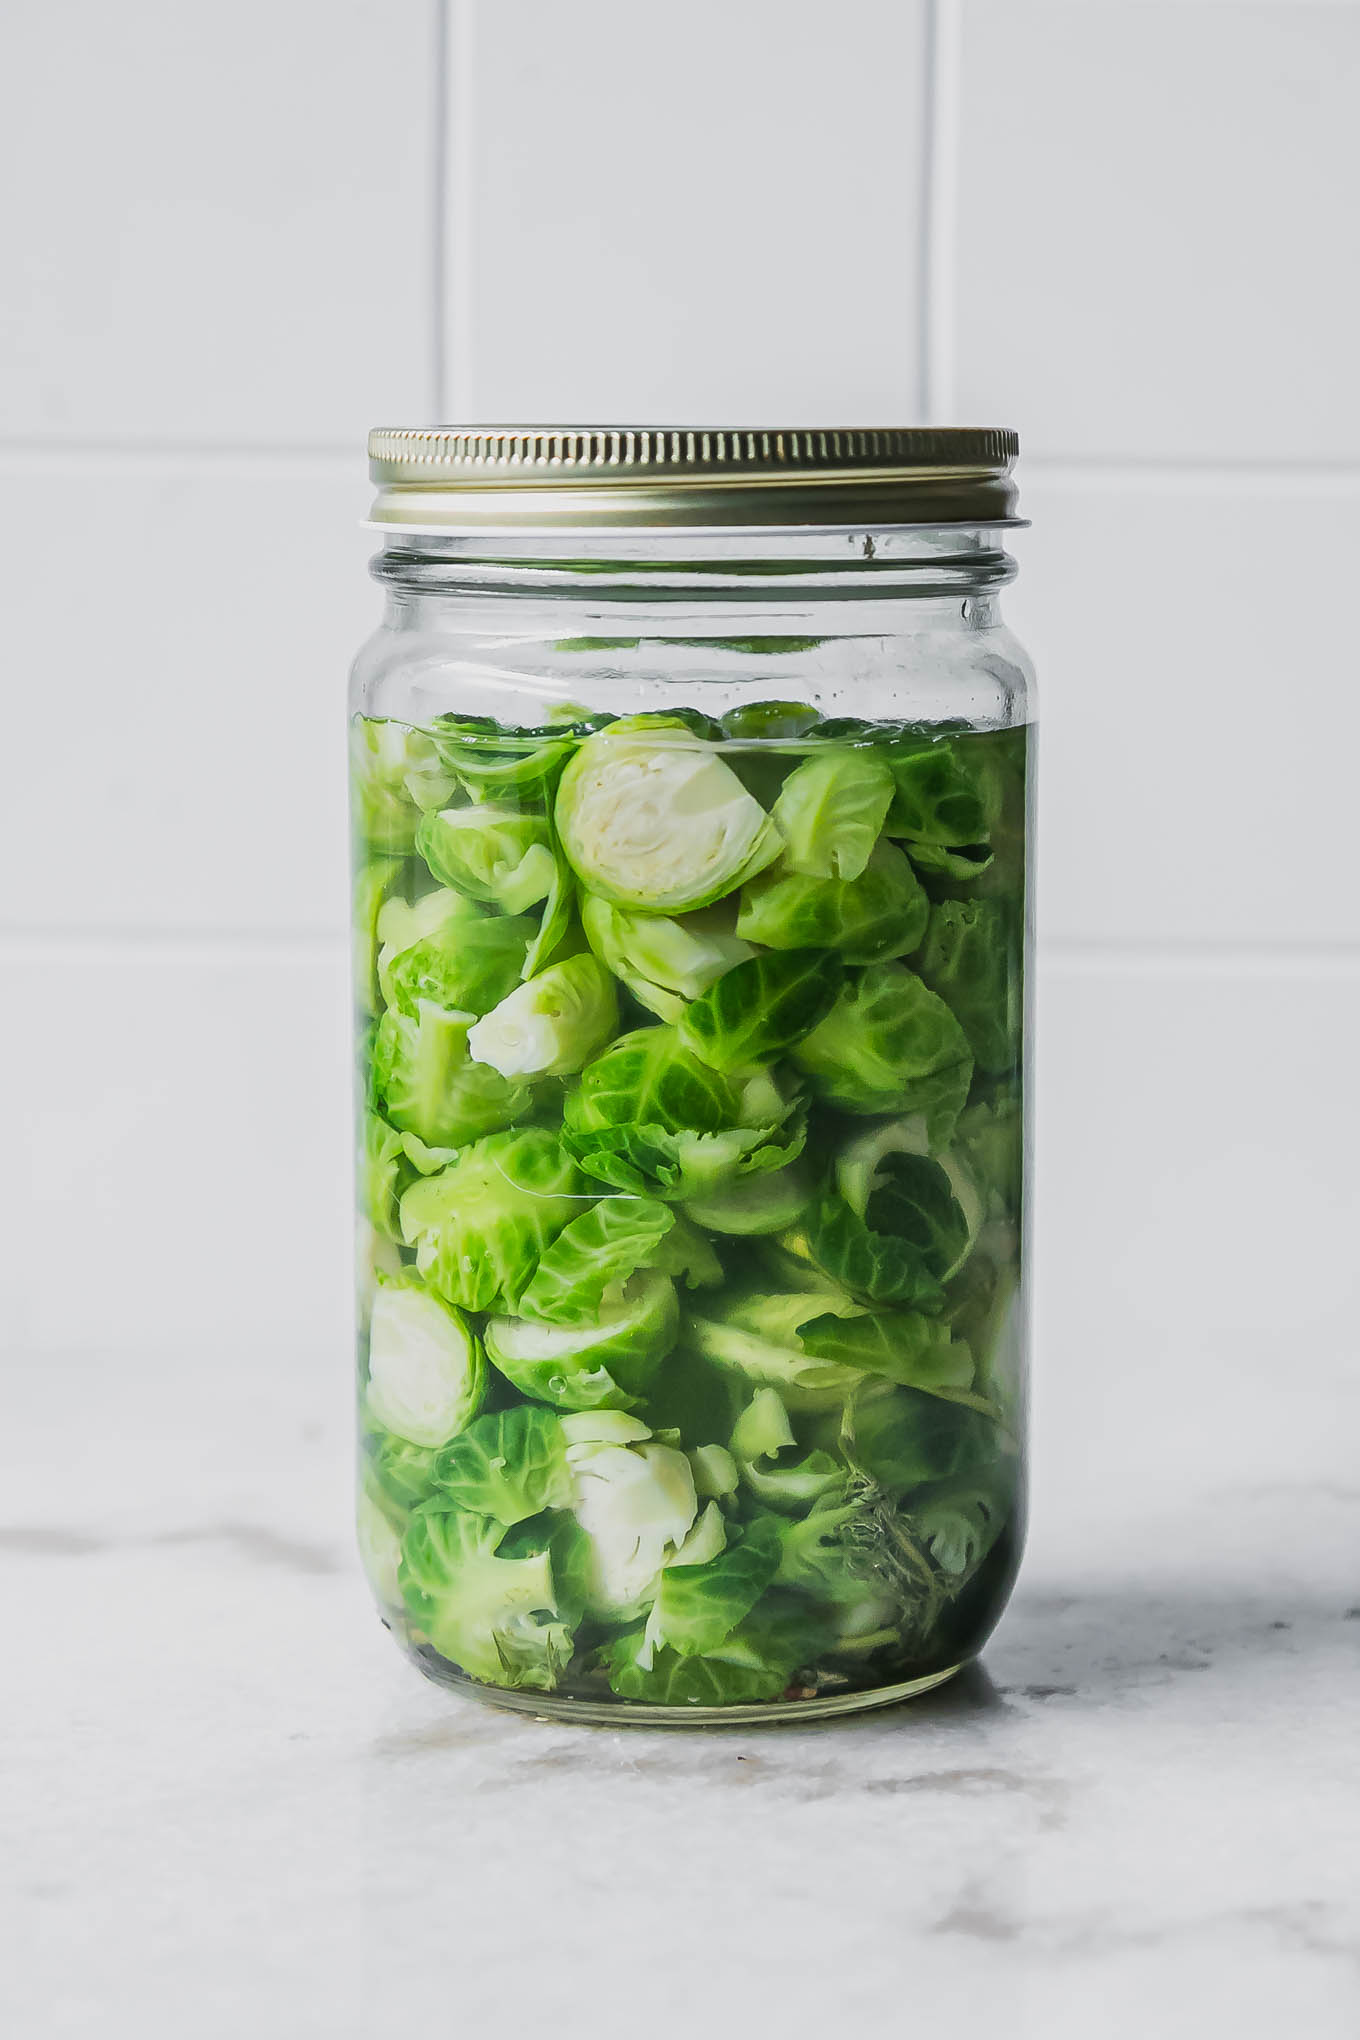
[232, 1806]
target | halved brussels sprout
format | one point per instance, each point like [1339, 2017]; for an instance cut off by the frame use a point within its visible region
[551, 1026]
[479, 1227]
[662, 961]
[490, 853]
[890, 1045]
[426, 1374]
[766, 1203]
[658, 821]
[757, 1336]
[604, 1365]
[636, 1502]
[498, 1617]
[428, 1085]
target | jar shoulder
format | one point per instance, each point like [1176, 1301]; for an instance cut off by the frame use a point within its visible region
[937, 673]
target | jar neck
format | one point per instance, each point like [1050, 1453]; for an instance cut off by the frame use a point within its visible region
[705, 583]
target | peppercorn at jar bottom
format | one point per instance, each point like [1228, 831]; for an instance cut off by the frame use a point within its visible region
[691, 1188]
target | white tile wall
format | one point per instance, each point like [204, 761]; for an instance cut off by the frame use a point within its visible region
[1156, 200]
[696, 213]
[219, 219]
[233, 239]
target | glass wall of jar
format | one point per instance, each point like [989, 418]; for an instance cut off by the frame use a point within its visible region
[691, 946]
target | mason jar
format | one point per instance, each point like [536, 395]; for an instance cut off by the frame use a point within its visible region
[691, 775]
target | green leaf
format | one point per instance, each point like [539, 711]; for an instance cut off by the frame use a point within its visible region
[939, 797]
[972, 958]
[496, 1617]
[469, 965]
[675, 1681]
[880, 913]
[603, 1364]
[490, 853]
[428, 1085]
[760, 1008]
[698, 1606]
[919, 1352]
[890, 1045]
[480, 1227]
[509, 1464]
[595, 1253]
[651, 1078]
[831, 809]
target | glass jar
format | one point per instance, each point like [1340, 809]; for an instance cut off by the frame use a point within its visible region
[691, 777]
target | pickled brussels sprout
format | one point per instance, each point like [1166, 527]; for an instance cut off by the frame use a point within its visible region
[689, 1171]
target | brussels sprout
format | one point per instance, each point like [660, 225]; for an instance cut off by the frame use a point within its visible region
[426, 1374]
[469, 962]
[963, 865]
[489, 760]
[715, 1471]
[386, 760]
[662, 961]
[902, 1345]
[479, 1227]
[939, 797]
[738, 1678]
[757, 1336]
[684, 1253]
[755, 1204]
[400, 1474]
[497, 1617]
[759, 1009]
[698, 1605]
[971, 958]
[760, 1436]
[551, 1026]
[650, 1078]
[428, 1085]
[902, 1438]
[770, 722]
[636, 1502]
[490, 853]
[591, 1259]
[958, 1521]
[650, 1117]
[660, 824]
[890, 1045]
[912, 1235]
[510, 1465]
[555, 920]
[831, 810]
[382, 1174]
[379, 1549]
[881, 913]
[603, 1365]
[374, 883]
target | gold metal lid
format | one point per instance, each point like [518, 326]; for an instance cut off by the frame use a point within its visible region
[576, 477]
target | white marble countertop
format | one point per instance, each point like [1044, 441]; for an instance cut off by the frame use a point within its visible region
[233, 1809]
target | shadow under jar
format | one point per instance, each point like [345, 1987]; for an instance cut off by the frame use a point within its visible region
[690, 779]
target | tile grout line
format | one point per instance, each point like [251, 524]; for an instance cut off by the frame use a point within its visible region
[439, 226]
[1065, 956]
[460, 63]
[939, 210]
